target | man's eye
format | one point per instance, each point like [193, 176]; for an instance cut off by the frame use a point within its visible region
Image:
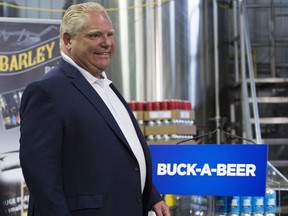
[96, 35]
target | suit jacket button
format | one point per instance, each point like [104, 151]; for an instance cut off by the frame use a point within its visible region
[136, 169]
[138, 199]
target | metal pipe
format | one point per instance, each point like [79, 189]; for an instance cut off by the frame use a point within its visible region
[150, 53]
[139, 51]
[236, 38]
[216, 63]
[5, 9]
[247, 128]
[124, 40]
[272, 40]
[280, 5]
[158, 52]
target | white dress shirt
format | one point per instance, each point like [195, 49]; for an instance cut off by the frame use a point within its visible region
[119, 113]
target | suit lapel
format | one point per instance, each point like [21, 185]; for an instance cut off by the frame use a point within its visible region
[89, 92]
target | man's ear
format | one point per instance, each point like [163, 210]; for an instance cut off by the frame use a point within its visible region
[67, 40]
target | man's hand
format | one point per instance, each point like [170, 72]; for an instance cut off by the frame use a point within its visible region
[161, 209]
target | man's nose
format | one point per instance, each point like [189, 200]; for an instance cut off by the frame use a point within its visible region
[107, 40]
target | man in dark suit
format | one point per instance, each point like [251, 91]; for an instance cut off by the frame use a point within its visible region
[81, 150]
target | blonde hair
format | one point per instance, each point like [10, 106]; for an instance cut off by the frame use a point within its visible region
[74, 18]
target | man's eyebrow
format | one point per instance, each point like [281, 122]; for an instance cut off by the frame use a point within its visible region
[94, 32]
[99, 32]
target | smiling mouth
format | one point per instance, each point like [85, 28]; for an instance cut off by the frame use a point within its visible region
[103, 54]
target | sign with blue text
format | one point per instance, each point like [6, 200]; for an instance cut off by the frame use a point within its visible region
[210, 169]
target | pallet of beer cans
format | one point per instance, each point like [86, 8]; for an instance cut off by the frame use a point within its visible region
[167, 121]
[247, 205]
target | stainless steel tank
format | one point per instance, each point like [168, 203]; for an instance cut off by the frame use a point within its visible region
[164, 51]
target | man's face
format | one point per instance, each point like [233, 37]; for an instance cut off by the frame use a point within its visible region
[93, 46]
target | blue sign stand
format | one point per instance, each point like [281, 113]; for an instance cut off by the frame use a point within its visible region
[210, 169]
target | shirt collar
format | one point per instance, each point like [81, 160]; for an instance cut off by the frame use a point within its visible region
[103, 82]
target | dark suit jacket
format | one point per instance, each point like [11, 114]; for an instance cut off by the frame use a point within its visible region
[75, 159]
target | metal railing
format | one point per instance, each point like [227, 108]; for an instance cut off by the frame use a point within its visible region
[246, 60]
[275, 179]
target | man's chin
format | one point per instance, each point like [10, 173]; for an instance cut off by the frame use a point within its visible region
[103, 67]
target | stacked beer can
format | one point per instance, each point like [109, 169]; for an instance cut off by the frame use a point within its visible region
[167, 121]
[247, 205]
